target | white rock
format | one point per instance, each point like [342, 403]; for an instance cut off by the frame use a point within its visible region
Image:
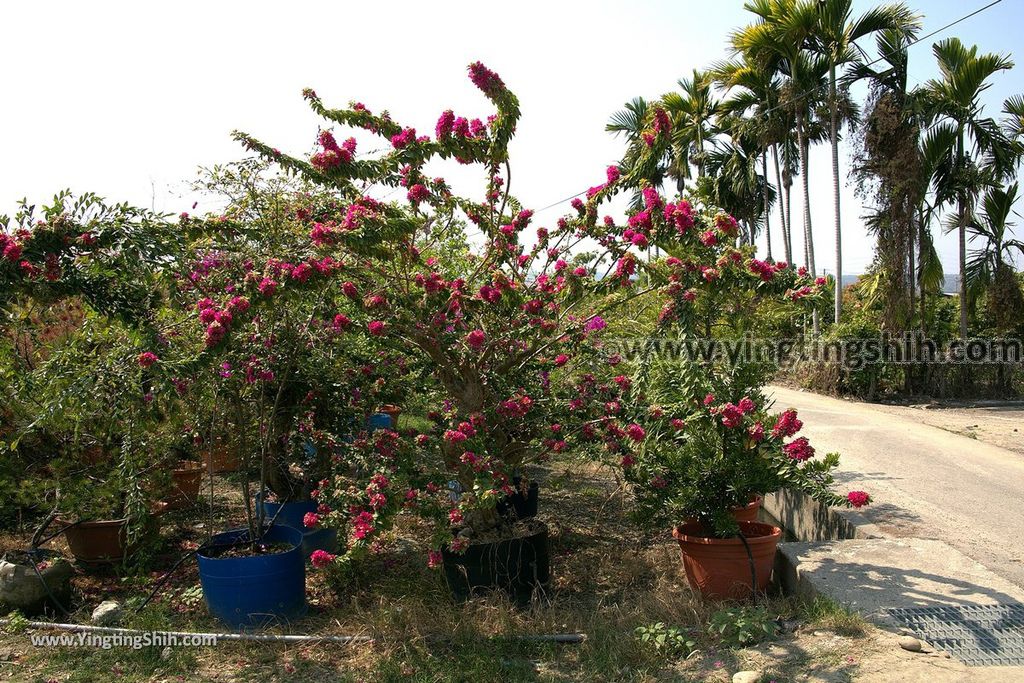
[746, 677]
[106, 613]
[910, 643]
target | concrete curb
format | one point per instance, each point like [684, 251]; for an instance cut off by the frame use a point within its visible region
[805, 519]
[836, 553]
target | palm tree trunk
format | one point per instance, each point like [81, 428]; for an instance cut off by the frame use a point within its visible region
[912, 276]
[835, 189]
[808, 234]
[962, 230]
[805, 182]
[920, 260]
[911, 370]
[783, 204]
[767, 206]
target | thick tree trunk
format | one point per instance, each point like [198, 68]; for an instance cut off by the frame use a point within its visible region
[835, 189]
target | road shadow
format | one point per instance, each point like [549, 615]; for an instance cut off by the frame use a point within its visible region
[866, 586]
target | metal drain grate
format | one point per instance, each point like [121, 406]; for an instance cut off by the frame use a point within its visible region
[978, 635]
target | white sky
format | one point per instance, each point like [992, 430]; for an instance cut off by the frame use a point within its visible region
[127, 99]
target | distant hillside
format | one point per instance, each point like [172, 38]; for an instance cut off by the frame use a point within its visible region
[949, 286]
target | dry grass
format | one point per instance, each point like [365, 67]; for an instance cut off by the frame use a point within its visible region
[608, 579]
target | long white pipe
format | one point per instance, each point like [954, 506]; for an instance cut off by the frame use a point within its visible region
[268, 638]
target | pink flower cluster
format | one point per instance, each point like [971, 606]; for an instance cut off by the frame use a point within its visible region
[731, 415]
[800, 293]
[418, 193]
[636, 432]
[449, 125]
[475, 339]
[485, 79]
[323, 234]
[680, 215]
[332, 155]
[756, 432]
[218, 321]
[515, 407]
[362, 525]
[799, 449]
[762, 269]
[786, 425]
[662, 123]
[10, 249]
[321, 558]
[858, 499]
[147, 359]
[726, 225]
[403, 139]
[445, 124]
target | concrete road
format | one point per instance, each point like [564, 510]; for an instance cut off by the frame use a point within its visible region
[926, 482]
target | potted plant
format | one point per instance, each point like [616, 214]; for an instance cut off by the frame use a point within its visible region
[90, 274]
[94, 396]
[184, 474]
[704, 447]
[274, 367]
[701, 459]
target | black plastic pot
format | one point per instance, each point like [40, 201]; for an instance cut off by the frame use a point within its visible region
[524, 506]
[516, 565]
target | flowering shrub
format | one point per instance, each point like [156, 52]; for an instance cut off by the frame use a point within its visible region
[111, 256]
[274, 362]
[510, 331]
[79, 295]
[705, 454]
[703, 441]
[91, 416]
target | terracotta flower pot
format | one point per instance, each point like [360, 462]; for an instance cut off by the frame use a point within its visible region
[748, 512]
[95, 455]
[186, 480]
[741, 513]
[98, 542]
[719, 568]
[219, 459]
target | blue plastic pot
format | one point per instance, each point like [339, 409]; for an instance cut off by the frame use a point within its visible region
[258, 590]
[379, 421]
[291, 515]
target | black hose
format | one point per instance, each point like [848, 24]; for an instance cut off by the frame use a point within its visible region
[49, 592]
[753, 568]
[55, 534]
[33, 552]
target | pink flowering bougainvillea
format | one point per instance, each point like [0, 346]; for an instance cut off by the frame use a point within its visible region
[511, 331]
